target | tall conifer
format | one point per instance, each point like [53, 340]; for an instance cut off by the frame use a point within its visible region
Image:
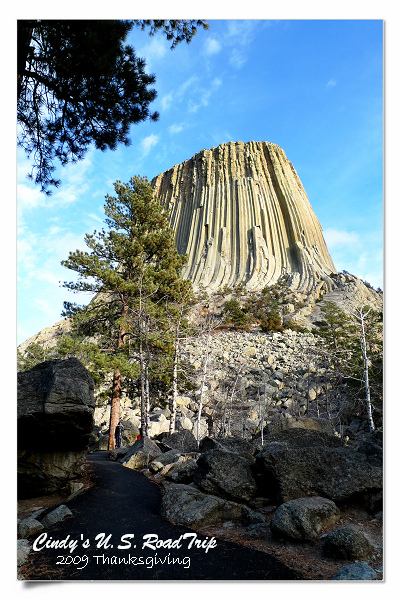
[132, 267]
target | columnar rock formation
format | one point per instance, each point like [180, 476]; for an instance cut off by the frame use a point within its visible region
[241, 215]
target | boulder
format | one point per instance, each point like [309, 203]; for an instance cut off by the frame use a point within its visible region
[55, 516]
[55, 421]
[186, 505]
[349, 542]
[41, 473]
[282, 423]
[118, 453]
[302, 519]
[130, 433]
[23, 549]
[358, 570]
[298, 463]
[183, 440]
[184, 423]
[55, 406]
[141, 454]
[169, 457]
[184, 472]
[29, 527]
[245, 448]
[225, 474]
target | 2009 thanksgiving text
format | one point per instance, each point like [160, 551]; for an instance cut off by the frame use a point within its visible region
[150, 541]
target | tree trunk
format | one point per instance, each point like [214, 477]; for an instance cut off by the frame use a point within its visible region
[366, 378]
[143, 405]
[203, 381]
[115, 407]
[174, 388]
[116, 389]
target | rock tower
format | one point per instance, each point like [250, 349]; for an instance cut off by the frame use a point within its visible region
[240, 213]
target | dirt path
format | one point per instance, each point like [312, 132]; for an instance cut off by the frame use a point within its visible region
[124, 502]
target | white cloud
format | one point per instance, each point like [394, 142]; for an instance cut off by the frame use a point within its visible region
[29, 198]
[95, 217]
[154, 51]
[203, 96]
[237, 59]
[212, 46]
[148, 143]
[335, 238]
[166, 101]
[239, 37]
[331, 83]
[175, 128]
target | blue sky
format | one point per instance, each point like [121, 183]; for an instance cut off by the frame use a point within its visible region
[314, 87]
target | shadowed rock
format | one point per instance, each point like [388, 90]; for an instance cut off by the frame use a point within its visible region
[55, 420]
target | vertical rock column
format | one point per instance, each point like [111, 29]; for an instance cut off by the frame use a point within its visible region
[240, 213]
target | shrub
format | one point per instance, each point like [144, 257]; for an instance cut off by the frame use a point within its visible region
[235, 315]
[271, 322]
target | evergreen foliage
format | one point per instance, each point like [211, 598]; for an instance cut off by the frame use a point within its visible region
[271, 322]
[133, 267]
[235, 315]
[359, 368]
[79, 84]
[33, 355]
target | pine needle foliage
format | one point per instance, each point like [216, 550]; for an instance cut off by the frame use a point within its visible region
[132, 268]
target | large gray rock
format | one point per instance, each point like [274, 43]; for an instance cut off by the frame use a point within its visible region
[184, 472]
[183, 440]
[23, 549]
[56, 516]
[359, 571]
[55, 406]
[349, 542]
[130, 433]
[243, 447]
[29, 527]
[298, 463]
[302, 519]
[225, 474]
[55, 421]
[140, 454]
[186, 505]
[41, 473]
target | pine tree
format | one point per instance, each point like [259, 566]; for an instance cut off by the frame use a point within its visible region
[131, 267]
[353, 341]
[79, 84]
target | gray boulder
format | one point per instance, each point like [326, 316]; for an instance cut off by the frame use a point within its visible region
[28, 527]
[298, 463]
[245, 448]
[41, 473]
[183, 440]
[140, 454]
[130, 433]
[55, 406]
[55, 516]
[118, 453]
[349, 542]
[302, 519]
[359, 571]
[23, 549]
[186, 505]
[183, 473]
[55, 421]
[169, 457]
[225, 474]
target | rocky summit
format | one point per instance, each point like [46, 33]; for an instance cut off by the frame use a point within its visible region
[241, 214]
